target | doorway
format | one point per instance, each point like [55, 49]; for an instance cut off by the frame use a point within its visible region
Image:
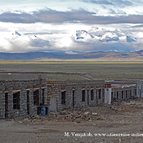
[87, 97]
[6, 105]
[28, 103]
[73, 98]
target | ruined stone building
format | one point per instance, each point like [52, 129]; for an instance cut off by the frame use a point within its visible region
[21, 98]
[123, 92]
[140, 88]
[75, 94]
[27, 97]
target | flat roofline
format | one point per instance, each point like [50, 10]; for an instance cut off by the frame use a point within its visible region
[128, 81]
[122, 85]
[18, 80]
[74, 81]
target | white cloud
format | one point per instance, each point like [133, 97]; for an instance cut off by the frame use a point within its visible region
[69, 17]
[100, 7]
[34, 37]
[48, 37]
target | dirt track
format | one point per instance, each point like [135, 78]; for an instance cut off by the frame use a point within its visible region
[125, 119]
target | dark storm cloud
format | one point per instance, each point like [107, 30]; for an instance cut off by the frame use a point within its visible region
[16, 18]
[45, 16]
[74, 16]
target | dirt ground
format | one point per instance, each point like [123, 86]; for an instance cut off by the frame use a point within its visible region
[104, 124]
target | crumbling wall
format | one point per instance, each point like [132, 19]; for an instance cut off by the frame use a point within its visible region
[140, 88]
[53, 95]
[55, 89]
[123, 93]
[11, 87]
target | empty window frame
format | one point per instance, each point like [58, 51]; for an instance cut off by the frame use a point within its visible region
[16, 100]
[36, 97]
[130, 93]
[99, 93]
[122, 94]
[92, 94]
[117, 94]
[135, 92]
[112, 95]
[63, 97]
[6, 105]
[83, 95]
[73, 97]
[43, 96]
[28, 101]
[126, 93]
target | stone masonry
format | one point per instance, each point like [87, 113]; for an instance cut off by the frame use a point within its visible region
[22, 98]
[7, 91]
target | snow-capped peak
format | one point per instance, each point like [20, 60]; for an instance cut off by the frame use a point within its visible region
[104, 35]
[83, 35]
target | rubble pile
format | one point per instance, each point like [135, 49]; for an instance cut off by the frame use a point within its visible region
[75, 116]
[131, 106]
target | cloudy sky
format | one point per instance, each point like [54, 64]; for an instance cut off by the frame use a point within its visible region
[71, 25]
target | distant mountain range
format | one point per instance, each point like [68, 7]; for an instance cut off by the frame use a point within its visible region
[104, 35]
[64, 56]
[95, 39]
[96, 43]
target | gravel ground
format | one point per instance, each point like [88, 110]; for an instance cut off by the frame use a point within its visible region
[118, 124]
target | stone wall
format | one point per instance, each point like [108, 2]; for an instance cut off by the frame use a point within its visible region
[74, 100]
[102, 93]
[9, 88]
[140, 88]
[59, 95]
[123, 93]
